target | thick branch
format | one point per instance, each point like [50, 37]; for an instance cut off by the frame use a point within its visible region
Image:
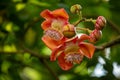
[3, 52]
[42, 59]
[109, 44]
[113, 25]
[34, 53]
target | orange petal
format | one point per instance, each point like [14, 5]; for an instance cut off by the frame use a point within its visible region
[84, 37]
[55, 52]
[60, 13]
[52, 44]
[62, 63]
[46, 24]
[87, 49]
[46, 14]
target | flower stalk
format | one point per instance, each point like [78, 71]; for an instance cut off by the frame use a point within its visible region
[84, 29]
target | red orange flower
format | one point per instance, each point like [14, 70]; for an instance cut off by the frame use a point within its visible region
[59, 36]
[55, 19]
[72, 51]
[53, 27]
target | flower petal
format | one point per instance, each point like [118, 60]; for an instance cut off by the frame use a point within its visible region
[51, 43]
[55, 52]
[62, 63]
[87, 49]
[46, 24]
[60, 13]
[83, 37]
[46, 14]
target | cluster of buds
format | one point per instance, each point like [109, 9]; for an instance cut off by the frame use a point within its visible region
[61, 37]
[96, 34]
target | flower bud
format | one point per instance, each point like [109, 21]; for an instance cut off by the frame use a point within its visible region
[100, 23]
[69, 31]
[75, 8]
[95, 35]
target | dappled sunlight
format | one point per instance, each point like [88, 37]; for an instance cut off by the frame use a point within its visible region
[99, 71]
[116, 70]
[30, 74]
[9, 48]
[107, 53]
[20, 6]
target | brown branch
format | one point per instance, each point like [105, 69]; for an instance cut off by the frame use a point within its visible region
[34, 53]
[3, 52]
[113, 25]
[108, 44]
[50, 70]
[42, 59]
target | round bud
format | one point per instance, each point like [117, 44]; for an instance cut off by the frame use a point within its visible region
[75, 8]
[69, 31]
[100, 23]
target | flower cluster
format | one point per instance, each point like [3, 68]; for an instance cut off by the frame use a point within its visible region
[96, 34]
[61, 37]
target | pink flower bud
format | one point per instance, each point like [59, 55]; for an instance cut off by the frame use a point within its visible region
[69, 31]
[100, 23]
[95, 35]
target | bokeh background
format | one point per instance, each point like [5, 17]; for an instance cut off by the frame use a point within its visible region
[23, 56]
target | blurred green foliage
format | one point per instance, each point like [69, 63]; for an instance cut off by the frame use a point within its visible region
[20, 25]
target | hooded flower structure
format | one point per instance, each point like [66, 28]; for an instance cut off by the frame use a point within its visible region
[72, 51]
[54, 25]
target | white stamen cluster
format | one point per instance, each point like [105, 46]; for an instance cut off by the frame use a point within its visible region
[74, 57]
[54, 34]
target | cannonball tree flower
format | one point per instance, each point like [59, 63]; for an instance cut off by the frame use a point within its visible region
[72, 51]
[54, 26]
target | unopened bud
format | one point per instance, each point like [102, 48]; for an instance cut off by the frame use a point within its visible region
[100, 23]
[75, 8]
[95, 35]
[69, 31]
